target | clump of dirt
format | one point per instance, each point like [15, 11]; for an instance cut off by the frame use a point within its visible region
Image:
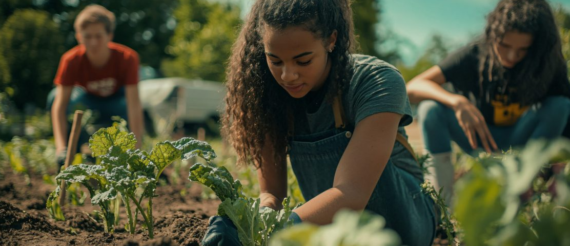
[183, 229]
[81, 220]
[180, 218]
[7, 190]
[12, 218]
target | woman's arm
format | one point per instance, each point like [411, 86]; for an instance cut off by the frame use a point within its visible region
[272, 178]
[134, 112]
[359, 169]
[427, 86]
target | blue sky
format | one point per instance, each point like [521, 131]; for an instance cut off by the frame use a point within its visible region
[416, 21]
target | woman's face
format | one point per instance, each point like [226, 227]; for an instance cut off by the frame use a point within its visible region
[512, 48]
[297, 59]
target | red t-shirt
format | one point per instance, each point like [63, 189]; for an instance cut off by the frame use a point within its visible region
[121, 69]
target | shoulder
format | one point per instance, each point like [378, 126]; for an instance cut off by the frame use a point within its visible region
[73, 55]
[124, 52]
[376, 87]
[366, 62]
[469, 53]
[370, 69]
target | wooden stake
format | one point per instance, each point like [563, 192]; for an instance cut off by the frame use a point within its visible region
[71, 150]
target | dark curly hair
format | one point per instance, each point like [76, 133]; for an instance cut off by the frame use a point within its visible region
[258, 111]
[534, 74]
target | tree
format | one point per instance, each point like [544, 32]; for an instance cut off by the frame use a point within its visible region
[4, 74]
[31, 45]
[436, 51]
[366, 16]
[563, 21]
[145, 26]
[202, 41]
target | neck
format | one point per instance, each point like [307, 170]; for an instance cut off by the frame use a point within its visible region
[99, 59]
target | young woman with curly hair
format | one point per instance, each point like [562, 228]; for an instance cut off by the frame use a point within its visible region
[512, 86]
[296, 89]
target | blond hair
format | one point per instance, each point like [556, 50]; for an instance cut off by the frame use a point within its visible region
[95, 14]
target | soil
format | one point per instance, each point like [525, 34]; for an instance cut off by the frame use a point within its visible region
[178, 219]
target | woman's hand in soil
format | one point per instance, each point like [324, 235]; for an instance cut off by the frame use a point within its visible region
[221, 231]
[473, 123]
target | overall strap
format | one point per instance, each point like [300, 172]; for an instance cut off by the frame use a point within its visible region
[340, 123]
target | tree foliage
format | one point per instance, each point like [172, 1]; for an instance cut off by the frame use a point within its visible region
[367, 19]
[29, 42]
[202, 41]
[437, 50]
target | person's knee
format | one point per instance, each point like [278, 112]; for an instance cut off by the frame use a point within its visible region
[556, 107]
[430, 113]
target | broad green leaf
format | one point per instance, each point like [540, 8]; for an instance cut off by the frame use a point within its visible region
[53, 206]
[80, 173]
[217, 179]
[163, 154]
[273, 221]
[102, 140]
[119, 177]
[104, 196]
[138, 160]
[244, 215]
[191, 147]
[115, 157]
[481, 192]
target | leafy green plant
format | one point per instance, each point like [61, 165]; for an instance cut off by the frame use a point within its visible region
[446, 218]
[348, 228]
[493, 187]
[127, 174]
[28, 157]
[250, 184]
[255, 225]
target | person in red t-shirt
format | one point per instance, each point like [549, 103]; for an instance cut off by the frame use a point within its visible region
[98, 75]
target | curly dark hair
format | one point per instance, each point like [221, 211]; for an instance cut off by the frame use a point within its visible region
[534, 74]
[258, 111]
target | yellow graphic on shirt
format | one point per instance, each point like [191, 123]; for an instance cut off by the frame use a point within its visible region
[506, 114]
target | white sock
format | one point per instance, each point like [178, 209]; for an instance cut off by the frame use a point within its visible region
[441, 174]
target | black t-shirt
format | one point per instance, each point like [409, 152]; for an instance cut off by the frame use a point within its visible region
[499, 103]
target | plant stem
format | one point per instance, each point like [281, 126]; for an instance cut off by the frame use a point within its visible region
[131, 219]
[147, 221]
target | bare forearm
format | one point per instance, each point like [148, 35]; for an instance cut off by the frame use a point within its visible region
[321, 209]
[59, 123]
[422, 89]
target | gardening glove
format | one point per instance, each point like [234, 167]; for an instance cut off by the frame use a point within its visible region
[221, 232]
[294, 217]
[60, 158]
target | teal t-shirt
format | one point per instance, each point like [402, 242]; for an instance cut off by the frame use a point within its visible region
[375, 87]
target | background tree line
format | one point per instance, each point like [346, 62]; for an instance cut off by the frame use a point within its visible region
[185, 38]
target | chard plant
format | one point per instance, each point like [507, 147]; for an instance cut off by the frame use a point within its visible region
[125, 173]
[255, 225]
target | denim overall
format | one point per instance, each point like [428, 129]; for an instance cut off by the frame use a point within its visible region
[397, 196]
